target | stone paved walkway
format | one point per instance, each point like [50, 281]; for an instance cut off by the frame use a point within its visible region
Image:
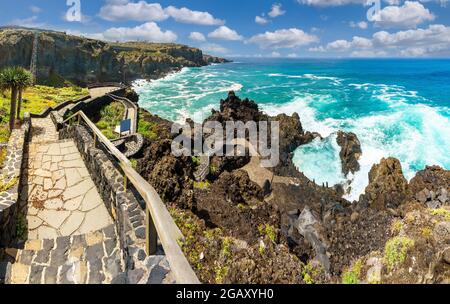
[62, 198]
[43, 130]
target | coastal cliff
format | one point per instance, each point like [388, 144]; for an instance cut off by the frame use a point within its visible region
[62, 57]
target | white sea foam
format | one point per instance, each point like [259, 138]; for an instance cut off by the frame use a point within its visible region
[400, 126]
[302, 106]
[416, 134]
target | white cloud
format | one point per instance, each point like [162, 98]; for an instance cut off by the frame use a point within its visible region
[225, 33]
[328, 3]
[136, 11]
[409, 15]
[35, 9]
[392, 2]
[123, 10]
[214, 48]
[196, 36]
[431, 41]
[284, 38]
[368, 53]
[149, 31]
[344, 45]
[331, 2]
[31, 22]
[261, 20]
[276, 11]
[185, 15]
[292, 55]
[275, 54]
[362, 24]
[319, 49]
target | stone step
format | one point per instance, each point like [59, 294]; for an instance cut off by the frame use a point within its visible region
[93, 258]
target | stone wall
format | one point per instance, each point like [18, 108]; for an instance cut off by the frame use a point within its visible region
[10, 180]
[124, 207]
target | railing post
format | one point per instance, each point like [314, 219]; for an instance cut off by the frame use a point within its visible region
[79, 119]
[151, 236]
[95, 140]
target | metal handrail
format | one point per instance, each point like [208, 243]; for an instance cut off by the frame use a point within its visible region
[159, 222]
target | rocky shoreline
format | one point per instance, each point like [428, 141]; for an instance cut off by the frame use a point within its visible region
[247, 224]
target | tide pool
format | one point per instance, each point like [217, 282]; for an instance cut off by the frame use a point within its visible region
[398, 108]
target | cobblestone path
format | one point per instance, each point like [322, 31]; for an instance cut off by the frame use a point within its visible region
[71, 236]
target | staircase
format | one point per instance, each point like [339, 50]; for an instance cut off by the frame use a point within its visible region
[202, 170]
[92, 258]
[71, 237]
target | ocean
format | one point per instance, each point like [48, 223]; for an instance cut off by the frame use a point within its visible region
[396, 107]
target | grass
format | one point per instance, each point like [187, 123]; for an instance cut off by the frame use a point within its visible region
[110, 116]
[34, 100]
[4, 133]
[4, 137]
[5, 186]
[37, 98]
[396, 250]
[3, 154]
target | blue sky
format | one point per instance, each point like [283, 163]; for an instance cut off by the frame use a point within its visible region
[255, 28]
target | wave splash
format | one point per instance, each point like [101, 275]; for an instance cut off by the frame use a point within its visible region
[417, 134]
[389, 119]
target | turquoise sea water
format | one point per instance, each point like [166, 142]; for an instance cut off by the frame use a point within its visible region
[397, 108]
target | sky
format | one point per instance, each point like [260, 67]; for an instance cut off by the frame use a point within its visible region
[253, 28]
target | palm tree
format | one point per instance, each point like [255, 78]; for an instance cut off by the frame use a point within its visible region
[25, 81]
[9, 79]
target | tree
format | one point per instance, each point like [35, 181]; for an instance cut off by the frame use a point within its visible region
[25, 81]
[9, 79]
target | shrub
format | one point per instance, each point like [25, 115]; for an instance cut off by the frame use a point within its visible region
[195, 160]
[201, 185]
[396, 227]
[269, 231]
[134, 163]
[352, 275]
[396, 250]
[441, 212]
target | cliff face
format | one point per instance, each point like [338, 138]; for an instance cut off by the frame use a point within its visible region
[80, 60]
